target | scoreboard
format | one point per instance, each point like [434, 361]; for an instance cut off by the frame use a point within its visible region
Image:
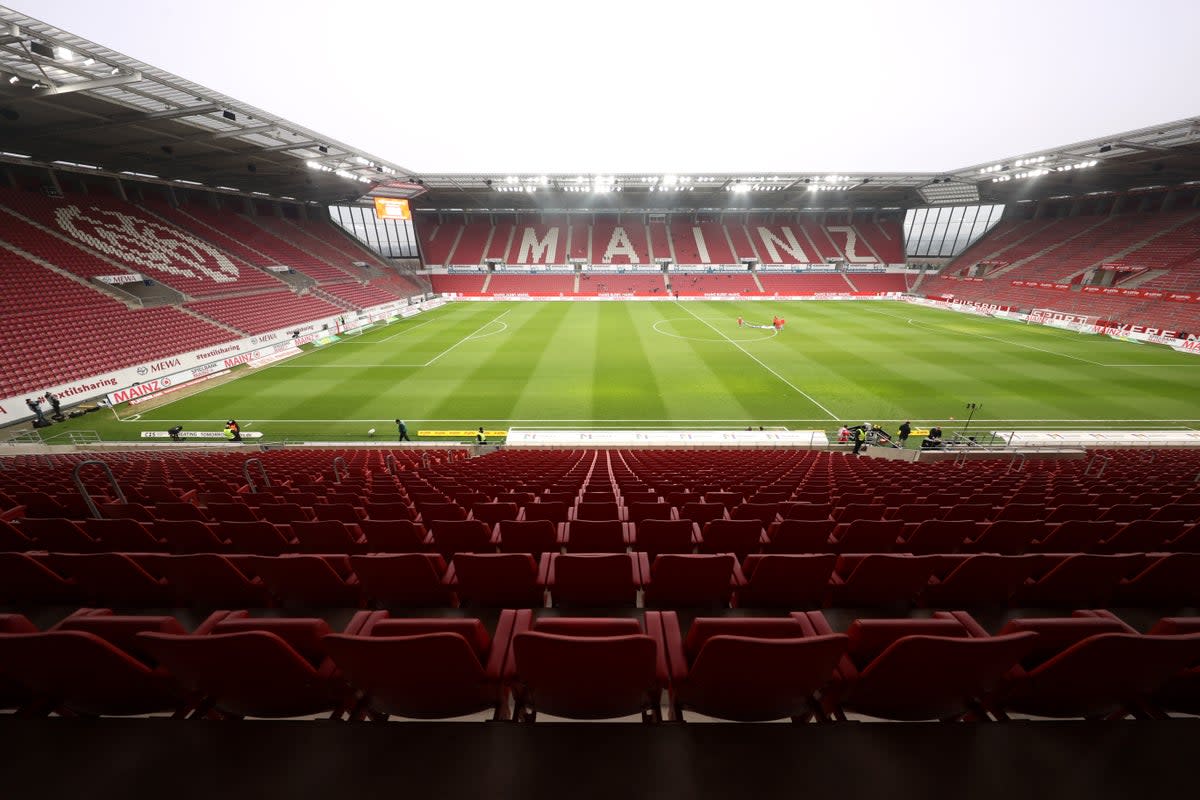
[392, 208]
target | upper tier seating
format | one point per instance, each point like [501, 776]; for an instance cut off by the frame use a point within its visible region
[155, 247]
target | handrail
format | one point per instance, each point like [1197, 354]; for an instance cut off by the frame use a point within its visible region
[87, 498]
[960, 458]
[262, 470]
[1014, 460]
[390, 463]
[337, 476]
[424, 460]
[1103, 464]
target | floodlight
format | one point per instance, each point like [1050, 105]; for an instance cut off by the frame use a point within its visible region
[14, 79]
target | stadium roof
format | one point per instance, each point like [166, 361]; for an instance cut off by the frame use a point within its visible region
[1161, 156]
[75, 105]
[65, 99]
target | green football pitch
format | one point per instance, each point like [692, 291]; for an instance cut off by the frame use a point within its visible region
[687, 365]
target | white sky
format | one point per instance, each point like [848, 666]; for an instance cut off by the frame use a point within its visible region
[667, 86]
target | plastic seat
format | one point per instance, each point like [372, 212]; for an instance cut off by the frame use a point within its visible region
[461, 536]
[1139, 536]
[309, 581]
[798, 536]
[389, 510]
[340, 512]
[937, 536]
[922, 669]
[789, 665]
[256, 538]
[83, 674]
[1074, 536]
[702, 513]
[1022, 512]
[211, 580]
[681, 581]
[655, 536]
[855, 511]
[13, 540]
[136, 511]
[598, 511]
[284, 513]
[429, 512]
[407, 580]
[552, 511]
[326, 536]
[969, 512]
[1127, 512]
[428, 668]
[1082, 580]
[765, 513]
[24, 579]
[59, 535]
[979, 581]
[738, 536]
[492, 513]
[651, 510]
[881, 580]
[1187, 513]
[124, 535]
[915, 512]
[179, 511]
[1006, 537]
[597, 536]
[112, 579]
[499, 580]
[528, 536]
[867, 536]
[231, 512]
[591, 580]
[1173, 580]
[808, 511]
[190, 536]
[577, 674]
[1074, 512]
[785, 581]
[1181, 692]
[256, 670]
[393, 536]
[1096, 676]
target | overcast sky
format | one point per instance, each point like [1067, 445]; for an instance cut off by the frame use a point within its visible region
[665, 86]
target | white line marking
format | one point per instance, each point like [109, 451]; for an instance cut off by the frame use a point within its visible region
[935, 326]
[795, 388]
[656, 329]
[756, 420]
[465, 338]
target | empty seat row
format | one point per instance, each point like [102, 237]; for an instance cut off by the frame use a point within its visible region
[338, 532]
[946, 667]
[601, 580]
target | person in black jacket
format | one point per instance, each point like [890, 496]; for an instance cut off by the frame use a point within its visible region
[905, 430]
[403, 429]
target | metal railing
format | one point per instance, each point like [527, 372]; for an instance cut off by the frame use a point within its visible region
[262, 471]
[1097, 459]
[337, 476]
[390, 463]
[1018, 459]
[83, 491]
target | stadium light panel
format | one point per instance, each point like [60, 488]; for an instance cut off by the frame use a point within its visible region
[14, 79]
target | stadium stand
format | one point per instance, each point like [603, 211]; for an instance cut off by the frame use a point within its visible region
[508, 283]
[458, 284]
[265, 312]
